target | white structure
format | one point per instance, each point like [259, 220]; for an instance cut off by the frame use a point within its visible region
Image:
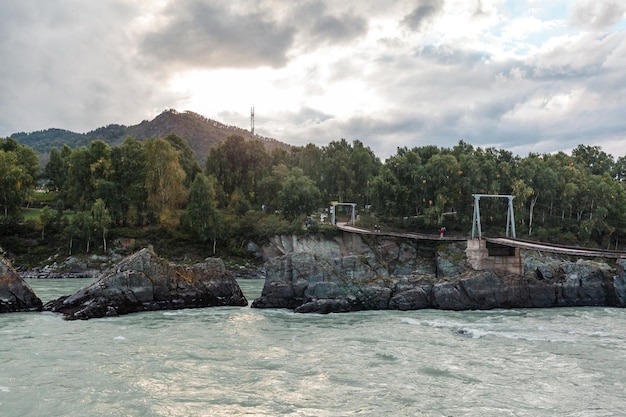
[332, 211]
[510, 220]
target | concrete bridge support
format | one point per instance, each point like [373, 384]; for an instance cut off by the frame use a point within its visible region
[483, 255]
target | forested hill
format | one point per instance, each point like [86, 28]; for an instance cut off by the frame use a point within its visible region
[201, 133]
[44, 140]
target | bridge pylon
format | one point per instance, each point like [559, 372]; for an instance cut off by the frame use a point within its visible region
[510, 218]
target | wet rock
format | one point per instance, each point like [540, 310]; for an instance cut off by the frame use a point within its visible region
[307, 283]
[15, 294]
[343, 244]
[325, 306]
[50, 273]
[145, 282]
[411, 293]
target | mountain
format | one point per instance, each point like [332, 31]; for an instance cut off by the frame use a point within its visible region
[201, 133]
[44, 140]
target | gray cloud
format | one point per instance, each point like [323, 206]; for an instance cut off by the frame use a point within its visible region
[597, 15]
[309, 115]
[207, 34]
[579, 57]
[211, 34]
[319, 26]
[422, 14]
[556, 100]
[68, 64]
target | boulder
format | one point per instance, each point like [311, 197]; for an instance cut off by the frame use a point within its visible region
[308, 283]
[145, 282]
[15, 293]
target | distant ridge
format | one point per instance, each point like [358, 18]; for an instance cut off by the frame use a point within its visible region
[200, 132]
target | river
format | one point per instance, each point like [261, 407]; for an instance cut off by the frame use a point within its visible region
[234, 361]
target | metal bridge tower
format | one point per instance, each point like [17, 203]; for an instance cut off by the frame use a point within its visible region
[510, 220]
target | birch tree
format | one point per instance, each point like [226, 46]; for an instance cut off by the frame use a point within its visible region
[101, 220]
[165, 179]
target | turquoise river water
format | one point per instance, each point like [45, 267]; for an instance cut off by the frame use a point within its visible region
[233, 361]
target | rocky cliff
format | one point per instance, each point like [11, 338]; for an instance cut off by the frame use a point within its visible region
[349, 273]
[144, 282]
[15, 294]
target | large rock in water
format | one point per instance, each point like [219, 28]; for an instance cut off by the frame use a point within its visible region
[15, 294]
[307, 283]
[145, 282]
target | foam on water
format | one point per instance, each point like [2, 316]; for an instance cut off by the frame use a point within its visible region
[519, 325]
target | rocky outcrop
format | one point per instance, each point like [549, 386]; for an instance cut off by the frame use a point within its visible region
[15, 294]
[71, 267]
[343, 244]
[407, 276]
[145, 282]
[49, 273]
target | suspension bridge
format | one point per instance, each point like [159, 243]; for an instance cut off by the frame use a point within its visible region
[491, 246]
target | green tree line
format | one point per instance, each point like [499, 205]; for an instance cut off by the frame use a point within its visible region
[245, 190]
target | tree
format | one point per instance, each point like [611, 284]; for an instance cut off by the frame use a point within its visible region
[18, 175]
[407, 167]
[101, 220]
[78, 186]
[203, 219]
[26, 157]
[55, 171]
[472, 180]
[442, 172]
[238, 204]
[386, 193]
[81, 226]
[365, 166]
[46, 219]
[541, 179]
[10, 183]
[129, 175]
[615, 204]
[238, 164]
[299, 194]
[310, 160]
[281, 155]
[101, 171]
[522, 193]
[593, 158]
[337, 171]
[619, 169]
[269, 187]
[165, 179]
[185, 157]
[258, 163]
[70, 232]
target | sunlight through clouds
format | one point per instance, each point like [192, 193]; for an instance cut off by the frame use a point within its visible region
[396, 73]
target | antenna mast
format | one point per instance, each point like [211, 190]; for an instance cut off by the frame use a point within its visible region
[252, 120]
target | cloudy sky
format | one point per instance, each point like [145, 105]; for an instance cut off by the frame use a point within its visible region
[522, 75]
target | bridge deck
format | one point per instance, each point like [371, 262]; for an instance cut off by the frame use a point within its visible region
[517, 243]
[421, 236]
[552, 248]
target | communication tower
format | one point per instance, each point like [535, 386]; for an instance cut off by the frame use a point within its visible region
[252, 120]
